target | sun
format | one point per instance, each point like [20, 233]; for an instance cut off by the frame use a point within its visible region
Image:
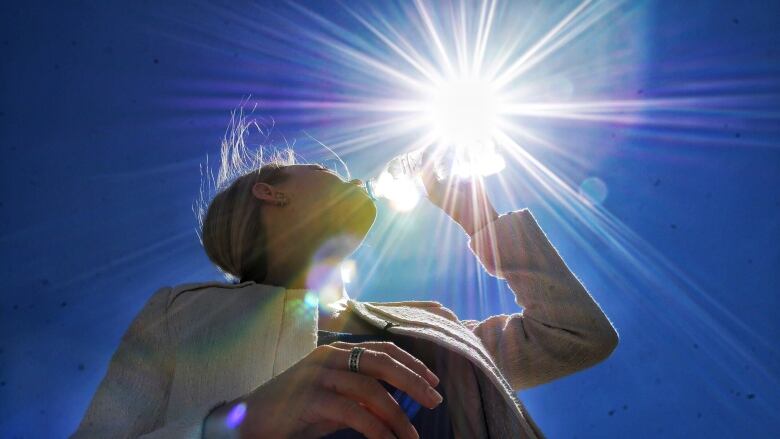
[463, 111]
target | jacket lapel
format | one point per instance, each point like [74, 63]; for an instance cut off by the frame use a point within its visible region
[426, 324]
[380, 315]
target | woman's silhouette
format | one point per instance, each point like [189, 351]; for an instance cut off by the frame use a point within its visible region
[276, 354]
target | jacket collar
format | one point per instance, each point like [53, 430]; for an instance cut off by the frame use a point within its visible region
[384, 315]
[417, 319]
[380, 314]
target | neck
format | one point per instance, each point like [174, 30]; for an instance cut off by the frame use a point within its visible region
[324, 280]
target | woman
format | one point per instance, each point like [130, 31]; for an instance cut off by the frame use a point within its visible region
[279, 355]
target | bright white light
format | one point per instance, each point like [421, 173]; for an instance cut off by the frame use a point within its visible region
[401, 192]
[348, 269]
[463, 111]
[330, 293]
[477, 159]
[464, 116]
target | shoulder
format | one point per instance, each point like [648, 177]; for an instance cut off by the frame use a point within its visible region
[181, 289]
[431, 306]
[413, 303]
[192, 286]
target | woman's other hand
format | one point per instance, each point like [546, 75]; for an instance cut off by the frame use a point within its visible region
[320, 395]
[463, 199]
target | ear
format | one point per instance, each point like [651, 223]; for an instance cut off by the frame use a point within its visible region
[265, 192]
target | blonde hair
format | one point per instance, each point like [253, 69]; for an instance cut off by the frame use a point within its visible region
[229, 226]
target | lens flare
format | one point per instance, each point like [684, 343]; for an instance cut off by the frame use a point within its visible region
[311, 300]
[594, 190]
[348, 270]
[236, 416]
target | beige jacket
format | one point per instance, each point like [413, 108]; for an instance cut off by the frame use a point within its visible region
[193, 346]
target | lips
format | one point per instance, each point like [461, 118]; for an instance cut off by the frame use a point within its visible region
[358, 184]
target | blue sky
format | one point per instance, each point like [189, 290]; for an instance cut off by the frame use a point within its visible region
[109, 108]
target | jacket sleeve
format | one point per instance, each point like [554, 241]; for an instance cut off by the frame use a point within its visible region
[561, 329]
[131, 399]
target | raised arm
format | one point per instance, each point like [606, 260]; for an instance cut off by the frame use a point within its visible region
[561, 329]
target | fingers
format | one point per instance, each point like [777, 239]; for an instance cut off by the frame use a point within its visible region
[381, 365]
[428, 174]
[386, 368]
[333, 409]
[368, 391]
[399, 354]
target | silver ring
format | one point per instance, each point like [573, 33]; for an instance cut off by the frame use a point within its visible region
[354, 358]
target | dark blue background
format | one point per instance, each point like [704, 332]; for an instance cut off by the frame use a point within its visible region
[108, 108]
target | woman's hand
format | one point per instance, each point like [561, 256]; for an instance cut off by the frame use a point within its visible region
[320, 395]
[463, 199]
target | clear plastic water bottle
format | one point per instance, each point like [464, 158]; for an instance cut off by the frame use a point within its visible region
[406, 165]
[400, 183]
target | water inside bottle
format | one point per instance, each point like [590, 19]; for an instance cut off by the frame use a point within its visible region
[400, 180]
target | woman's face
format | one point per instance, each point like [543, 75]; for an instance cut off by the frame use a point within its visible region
[320, 196]
[320, 207]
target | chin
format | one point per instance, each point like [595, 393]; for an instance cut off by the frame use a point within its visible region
[363, 217]
[354, 222]
[359, 216]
